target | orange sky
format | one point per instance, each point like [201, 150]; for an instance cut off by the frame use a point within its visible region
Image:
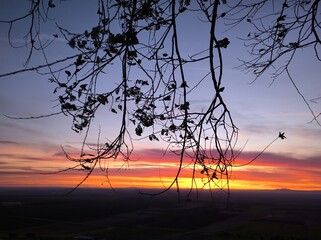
[23, 165]
[260, 110]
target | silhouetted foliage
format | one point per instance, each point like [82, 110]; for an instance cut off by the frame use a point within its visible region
[152, 91]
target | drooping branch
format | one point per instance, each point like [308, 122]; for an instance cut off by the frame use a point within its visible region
[275, 37]
[152, 94]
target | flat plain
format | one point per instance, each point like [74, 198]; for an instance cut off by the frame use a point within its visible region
[104, 214]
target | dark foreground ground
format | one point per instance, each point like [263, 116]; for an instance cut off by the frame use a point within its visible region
[125, 214]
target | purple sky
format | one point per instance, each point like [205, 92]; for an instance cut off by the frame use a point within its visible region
[259, 110]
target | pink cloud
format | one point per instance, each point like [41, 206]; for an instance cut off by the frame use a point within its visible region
[153, 165]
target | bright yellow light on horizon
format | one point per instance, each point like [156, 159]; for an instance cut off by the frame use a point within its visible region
[99, 181]
[153, 173]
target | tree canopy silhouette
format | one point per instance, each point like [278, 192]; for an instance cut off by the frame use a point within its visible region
[151, 92]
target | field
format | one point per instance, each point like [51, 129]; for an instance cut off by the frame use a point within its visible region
[102, 214]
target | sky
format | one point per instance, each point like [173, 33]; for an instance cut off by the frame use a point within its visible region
[30, 150]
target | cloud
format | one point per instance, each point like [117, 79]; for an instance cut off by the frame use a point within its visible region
[155, 155]
[9, 143]
[21, 170]
[12, 126]
[275, 169]
[13, 156]
[279, 160]
[265, 159]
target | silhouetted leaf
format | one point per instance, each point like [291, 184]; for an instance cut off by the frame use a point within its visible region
[132, 54]
[294, 44]
[61, 99]
[282, 135]
[184, 106]
[133, 121]
[139, 130]
[68, 73]
[78, 127]
[221, 89]
[102, 99]
[72, 43]
[131, 37]
[112, 49]
[222, 43]
[182, 9]
[164, 132]
[82, 44]
[171, 86]
[77, 131]
[85, 123]
[153, 137]
[85, 167]
[91, 100]
[95, 32]
[69, 107]
[281, 18]
[172, 127]
[167, 98]
[72, 98]
[79, 61]
[147, 121]
[51, 4]
[184, 84]
[87, 154]
[62, 85]
[145, 83]
[83, 87]
[214, 175]
[152, 105]
[113, 110]
[279, 25]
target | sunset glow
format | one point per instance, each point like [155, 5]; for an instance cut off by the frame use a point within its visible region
[32, 150]
[270, 171]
